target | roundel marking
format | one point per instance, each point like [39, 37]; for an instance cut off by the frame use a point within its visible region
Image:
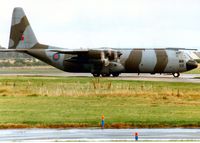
[56, 56]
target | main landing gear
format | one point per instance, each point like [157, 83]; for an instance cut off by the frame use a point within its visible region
[96, 74]
[115, 74]
[176, 74]
[105, 74]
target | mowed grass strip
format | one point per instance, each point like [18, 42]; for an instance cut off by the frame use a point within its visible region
[80, 102]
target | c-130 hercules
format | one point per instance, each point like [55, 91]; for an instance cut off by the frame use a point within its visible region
[101, 61]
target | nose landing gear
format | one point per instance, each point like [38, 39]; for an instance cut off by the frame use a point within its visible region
[176, 74]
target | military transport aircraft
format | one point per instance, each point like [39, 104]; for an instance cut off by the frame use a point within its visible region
[102, 61]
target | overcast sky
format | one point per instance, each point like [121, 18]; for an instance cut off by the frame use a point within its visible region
[108, 23]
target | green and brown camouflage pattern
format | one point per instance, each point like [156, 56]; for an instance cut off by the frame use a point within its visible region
[100, 61]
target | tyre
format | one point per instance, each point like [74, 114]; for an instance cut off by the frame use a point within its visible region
[96, 74]
[176, 74]
[115, 74]
[105, 75]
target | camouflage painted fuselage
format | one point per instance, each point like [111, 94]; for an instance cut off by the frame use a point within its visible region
[102, 61]
[132, 60]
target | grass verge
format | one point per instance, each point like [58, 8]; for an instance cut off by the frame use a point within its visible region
[46, 102]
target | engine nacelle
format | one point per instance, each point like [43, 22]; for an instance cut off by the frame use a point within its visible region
[104, 56]
[99, 54]
[115, 67]
[95, 54]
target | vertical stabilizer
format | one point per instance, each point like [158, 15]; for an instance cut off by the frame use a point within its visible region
[21, 33]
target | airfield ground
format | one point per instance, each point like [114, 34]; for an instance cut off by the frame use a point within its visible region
[50, 69]
[52, 102]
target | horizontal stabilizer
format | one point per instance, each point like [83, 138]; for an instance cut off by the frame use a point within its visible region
[12, 50]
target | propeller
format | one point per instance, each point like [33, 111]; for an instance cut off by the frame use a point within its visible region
[104, 58]
[110, 55]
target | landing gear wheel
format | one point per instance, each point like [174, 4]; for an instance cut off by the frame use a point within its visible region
[96, 74]
[115, 74]
[105, 75]
[176, 74]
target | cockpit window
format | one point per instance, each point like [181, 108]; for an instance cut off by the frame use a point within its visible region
[181, 61]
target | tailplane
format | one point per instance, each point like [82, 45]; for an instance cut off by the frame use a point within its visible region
[21, 33]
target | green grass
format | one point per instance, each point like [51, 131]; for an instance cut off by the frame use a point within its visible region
[47, 101]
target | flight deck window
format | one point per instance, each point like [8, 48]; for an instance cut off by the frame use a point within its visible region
[181, 61]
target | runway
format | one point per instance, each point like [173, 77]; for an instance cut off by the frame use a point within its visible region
[93, 134]
[190, 78]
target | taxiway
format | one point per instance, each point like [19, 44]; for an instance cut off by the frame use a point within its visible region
[190, 78]
[94, 134]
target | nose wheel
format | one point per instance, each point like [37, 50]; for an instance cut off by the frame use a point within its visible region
[176, 74]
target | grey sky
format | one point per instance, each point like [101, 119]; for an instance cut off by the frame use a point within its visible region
[108, 23]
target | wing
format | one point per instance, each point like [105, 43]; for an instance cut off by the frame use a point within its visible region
[103, 56]
[91, 53]
[69, 51]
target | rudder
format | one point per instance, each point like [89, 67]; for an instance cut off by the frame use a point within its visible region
[21, 33]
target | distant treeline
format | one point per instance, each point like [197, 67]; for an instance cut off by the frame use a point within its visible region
[15, 59]
[14, 55]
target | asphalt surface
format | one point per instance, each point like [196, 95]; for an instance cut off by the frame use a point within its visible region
[99, 134]
[191, 78]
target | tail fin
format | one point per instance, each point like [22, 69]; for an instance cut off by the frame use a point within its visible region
[21, 34]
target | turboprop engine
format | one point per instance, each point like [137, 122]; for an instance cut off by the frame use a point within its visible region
[104, 56]
[110, 62]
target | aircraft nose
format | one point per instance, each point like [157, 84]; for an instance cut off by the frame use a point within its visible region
[191, 64]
